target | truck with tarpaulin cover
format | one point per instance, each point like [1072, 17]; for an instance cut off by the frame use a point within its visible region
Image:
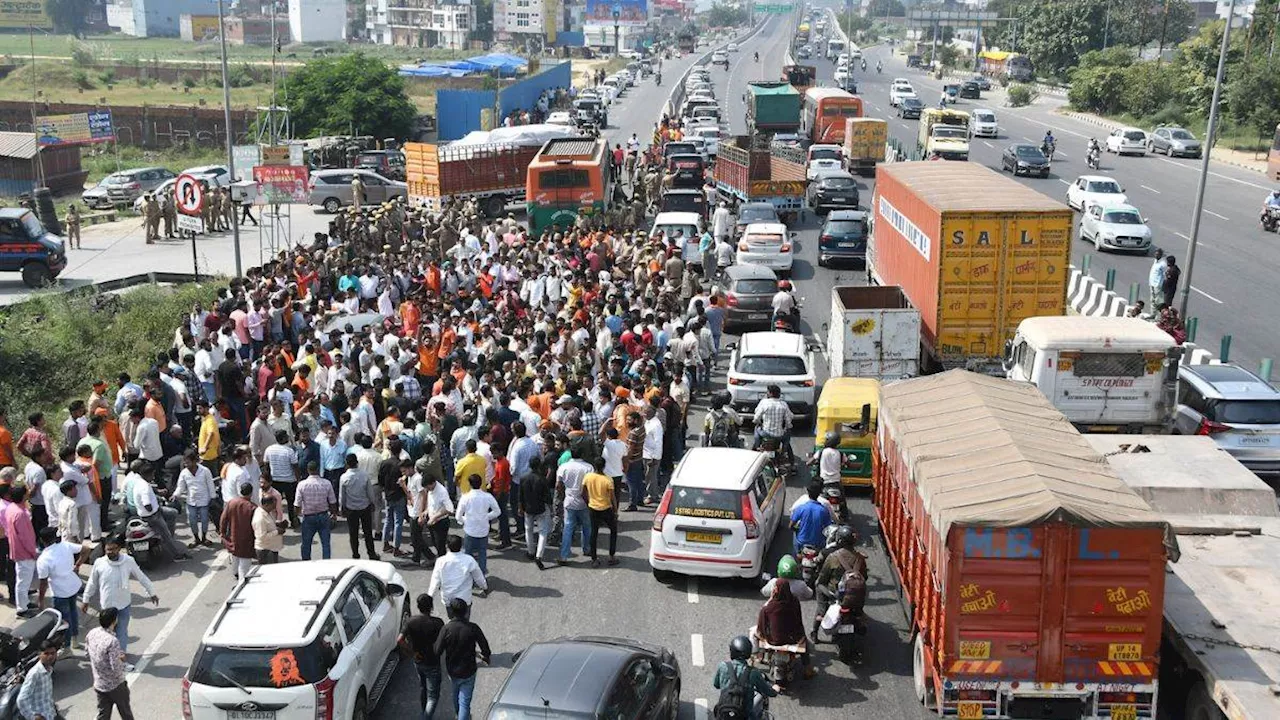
[748, 172]
[1033, 577]
[772, 107]
[1220, 657]
[864, 144]
[493, 174]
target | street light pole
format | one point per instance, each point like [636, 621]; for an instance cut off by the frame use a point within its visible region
[1204, 163]
[617, 43]
[226, 112]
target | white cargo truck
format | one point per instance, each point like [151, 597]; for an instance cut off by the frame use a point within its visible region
[873, 333]
[1106, 374]
[1220, 655]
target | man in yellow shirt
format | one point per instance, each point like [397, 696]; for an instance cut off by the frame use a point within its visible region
[604, 511]
[210, 441]
[472, 463]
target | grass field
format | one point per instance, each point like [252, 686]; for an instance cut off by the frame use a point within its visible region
[66, 83]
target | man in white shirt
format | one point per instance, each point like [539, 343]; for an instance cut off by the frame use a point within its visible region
[433, 508]
[56, 567]
[455, 573]
[53, 498]
[652, 454]
[476, 510]
[152, 512]
[196, 485]
[108, 584]
[238, 474]
[146, 438]
[569, 480]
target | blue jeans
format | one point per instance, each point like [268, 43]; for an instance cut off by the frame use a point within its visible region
[429, 676]
[316, 523]
[393, 521]
[67, 606]
[463, 689]
[635, 481]
[122, 627]
[478, 548]
[575, 520]
[198, 517]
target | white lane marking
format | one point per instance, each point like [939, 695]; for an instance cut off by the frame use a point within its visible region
[700, 709]
[1065, 182]
[1184, 236]
[1220, 217]
[692, 590]
[1193, 287]
[905, 125]
[1148, 187]
[176, 616]
[984, 142]
[695, 650]
[1215, 174]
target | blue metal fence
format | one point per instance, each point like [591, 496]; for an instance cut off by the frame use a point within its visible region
[524, 94]
[458, 111]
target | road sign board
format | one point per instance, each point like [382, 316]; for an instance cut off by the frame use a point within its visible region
[193, 223]
[963, 18]
[188, 194]
[773, 9]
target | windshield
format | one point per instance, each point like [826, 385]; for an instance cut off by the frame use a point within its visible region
[824, 154]
[838, 182]
[1247, 412]
[587, 104]
[770, 365]
[252, 667]
[706, 503]
[1122, 217]
[756, 287]
[846, 227]
[1181, 135]
[949, 131]
[757, 214]
[688, 231]
[912, 102]
[1135, 135]
[118, 179]
[683, 202]
[1028, 151]
[1103, 186]
[984, 117]
[32, 225]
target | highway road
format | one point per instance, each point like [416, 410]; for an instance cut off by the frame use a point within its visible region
[1232, 284]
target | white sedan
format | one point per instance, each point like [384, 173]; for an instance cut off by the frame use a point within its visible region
[1090, 189]
[1115, 227]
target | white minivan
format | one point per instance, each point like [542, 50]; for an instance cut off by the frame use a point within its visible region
[766, 244]
[717, 515]
[688, 225]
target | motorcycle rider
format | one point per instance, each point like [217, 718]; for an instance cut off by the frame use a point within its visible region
[1271, 203]
[781, 622]
[1093, 153]
[842, 561]
[879, 66]
[722, 424]
[752, 679]
[864, 65]
[1047, 147]
[784, 303]
[757, 57]
[828, 459]
[788, 572]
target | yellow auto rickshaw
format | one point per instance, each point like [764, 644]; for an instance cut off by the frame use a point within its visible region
[849, 406]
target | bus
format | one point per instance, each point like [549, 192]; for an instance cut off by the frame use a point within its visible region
[1273, 157]
[835, 46]
[824, 113]
[567, 178]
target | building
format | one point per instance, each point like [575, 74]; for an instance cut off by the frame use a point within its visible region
[155, 18]
[19, 172]
[314, 21]
[198, 28]
[255, 30]
[516, 20]
[420, 23]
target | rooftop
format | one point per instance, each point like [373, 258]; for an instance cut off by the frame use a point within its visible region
[716, 468]
[1076, 332]
[967, 186]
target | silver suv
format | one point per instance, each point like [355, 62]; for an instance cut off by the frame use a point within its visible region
[125, 187]
[1238, 409]
[331, 189]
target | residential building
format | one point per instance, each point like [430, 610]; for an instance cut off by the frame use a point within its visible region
[420, 23]
[155, 18]
[255, 29]
[514, 20]
[313, 21]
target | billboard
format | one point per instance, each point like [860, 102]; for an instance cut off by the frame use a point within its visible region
[630, 12]
[23, 14]
[196, 28]
[75, 129]
[280, 184]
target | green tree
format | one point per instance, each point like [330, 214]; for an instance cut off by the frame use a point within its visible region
[1097, 89]
[353, 93]
[1197, 63]
[886, 8]
[721, 15]
[68, 15]
[1253, 96]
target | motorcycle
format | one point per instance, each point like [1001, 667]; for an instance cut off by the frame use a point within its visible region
[833, 493]
[843, 620]
[788, 323]
[780, 455]
[20, 651]
[779, 662]
[1270, 219]
[1047, 147]
[808, 564]
[1094, 159]
[658, 78]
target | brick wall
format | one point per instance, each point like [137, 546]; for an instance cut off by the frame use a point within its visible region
[149, 127]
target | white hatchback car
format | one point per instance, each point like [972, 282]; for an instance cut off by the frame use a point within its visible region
[1115, 227]
[717, 515]
[761, 359]
[300, 641]
[766, 244]
[984, 123]
[1090, 189]
[1127, 141]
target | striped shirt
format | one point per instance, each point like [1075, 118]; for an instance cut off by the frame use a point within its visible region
[314, 495]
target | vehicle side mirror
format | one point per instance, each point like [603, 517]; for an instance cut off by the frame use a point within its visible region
[668, 671]
[395, 590]
[732, 347]
[793, 234]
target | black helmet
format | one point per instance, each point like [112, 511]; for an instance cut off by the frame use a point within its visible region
[740, 648]
[844, 537]
[832, 439]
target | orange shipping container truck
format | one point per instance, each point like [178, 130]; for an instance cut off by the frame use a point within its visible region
[493, 174]
[1032, 574]
[976, 253]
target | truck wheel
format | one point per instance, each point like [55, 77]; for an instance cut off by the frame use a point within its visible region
[1200, 706]
[332, 206]
[494, 206]
[36, 275]
[923, 688]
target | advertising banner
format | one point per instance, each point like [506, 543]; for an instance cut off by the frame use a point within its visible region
[630, 12]
[280, 184]
[23, 14]
[76, 129]
[246, 157]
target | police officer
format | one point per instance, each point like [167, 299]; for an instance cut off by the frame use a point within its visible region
[73, 227]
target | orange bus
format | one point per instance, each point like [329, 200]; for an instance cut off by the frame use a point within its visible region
[567, 178]
[825, 110]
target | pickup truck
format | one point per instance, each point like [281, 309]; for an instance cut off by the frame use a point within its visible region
[899, 90]
[774, 175]
[944, 133]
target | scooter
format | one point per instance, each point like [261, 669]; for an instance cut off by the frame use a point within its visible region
[843, 620]
[20, 651]
[788, 323]
[1270, 219]
[1094, 160]
[779, 662]
[808, 564]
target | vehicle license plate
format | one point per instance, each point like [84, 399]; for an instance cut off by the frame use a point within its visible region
[1124, 652]
[757, 316]
[969, 711]
[138, 546]
[1255, 439]
[703, 537]
[251, 715]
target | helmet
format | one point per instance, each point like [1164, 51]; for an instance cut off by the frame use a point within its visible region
[787, 568]
[784, 285]
[844, 537]
[740, 648]
[831, 439]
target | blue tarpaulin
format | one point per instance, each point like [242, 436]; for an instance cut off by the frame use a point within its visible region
[501, 63]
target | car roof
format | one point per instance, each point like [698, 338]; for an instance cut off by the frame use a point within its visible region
[771, 343]
[201, 169]
[716, 468]
[683, 191]
[271, 591]
[1119, 206]
[982, 110]
[847, 215]
[1075, 332]
[12, 212]
[677, 218]
[827, 173]
[566, 676]
[750, 272]
[1098, 178]
[766, 227]
[1131, 128]
[1228, 382]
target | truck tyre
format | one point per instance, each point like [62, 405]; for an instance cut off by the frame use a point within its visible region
[494, 206]
[36, 275]
[332, 206]
[1200, 706]
[919, 673]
